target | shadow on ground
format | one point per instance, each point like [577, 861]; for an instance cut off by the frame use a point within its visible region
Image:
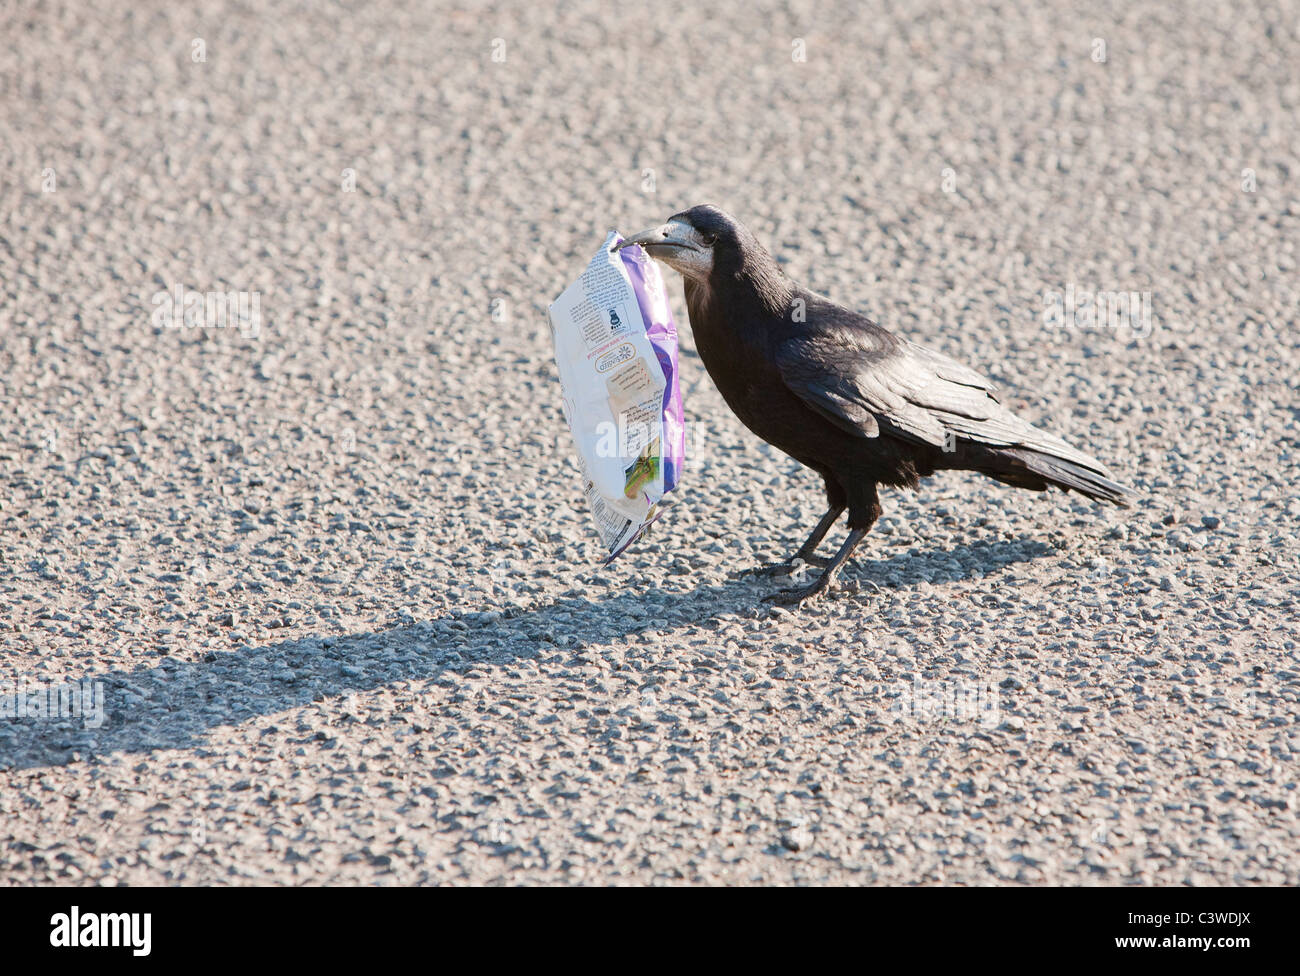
[172, 704]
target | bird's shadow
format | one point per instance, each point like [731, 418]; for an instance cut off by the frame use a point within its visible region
[172, 704]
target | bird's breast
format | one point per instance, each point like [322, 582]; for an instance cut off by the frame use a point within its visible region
[746, 375]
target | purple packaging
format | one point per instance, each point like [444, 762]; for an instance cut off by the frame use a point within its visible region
[616, 353]
[661, 330]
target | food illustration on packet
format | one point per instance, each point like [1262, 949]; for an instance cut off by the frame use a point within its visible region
[616, 348]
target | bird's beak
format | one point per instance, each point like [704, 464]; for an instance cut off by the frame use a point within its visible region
[674, 234]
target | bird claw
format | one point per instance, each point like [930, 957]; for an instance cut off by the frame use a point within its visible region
[798, 596]
[788, 567]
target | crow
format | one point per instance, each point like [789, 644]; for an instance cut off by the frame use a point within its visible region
[843, 396]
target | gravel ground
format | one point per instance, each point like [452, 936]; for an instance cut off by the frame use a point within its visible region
[331, 569]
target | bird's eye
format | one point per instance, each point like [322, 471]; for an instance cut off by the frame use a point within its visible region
[709, 239]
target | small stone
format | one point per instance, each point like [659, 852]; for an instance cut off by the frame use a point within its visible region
[1274, 803]
[1211, 522]
[796, 839]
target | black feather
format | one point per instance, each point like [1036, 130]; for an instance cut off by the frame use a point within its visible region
[851, 400]
[845, 396]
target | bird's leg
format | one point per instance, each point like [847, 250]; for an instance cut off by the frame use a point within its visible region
[862, 515]
[807, 550]
[823, 582]
[818, 534]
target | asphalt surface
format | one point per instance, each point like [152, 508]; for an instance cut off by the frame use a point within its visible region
[333, 575]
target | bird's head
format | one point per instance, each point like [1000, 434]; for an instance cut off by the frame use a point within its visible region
[696, 242]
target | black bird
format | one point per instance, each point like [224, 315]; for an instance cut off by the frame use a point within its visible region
[843, 396]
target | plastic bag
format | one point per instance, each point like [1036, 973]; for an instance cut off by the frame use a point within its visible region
[616, 348]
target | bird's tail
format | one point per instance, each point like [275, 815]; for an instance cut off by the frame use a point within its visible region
[1027, 468]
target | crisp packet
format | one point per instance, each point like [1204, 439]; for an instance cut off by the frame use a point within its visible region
[616, 348]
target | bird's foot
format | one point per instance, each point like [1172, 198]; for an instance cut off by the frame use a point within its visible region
[798, 596]
[789, 566]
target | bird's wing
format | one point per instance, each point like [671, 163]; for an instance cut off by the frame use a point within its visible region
[864, 380]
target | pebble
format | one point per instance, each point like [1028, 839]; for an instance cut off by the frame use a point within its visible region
[797, 839]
